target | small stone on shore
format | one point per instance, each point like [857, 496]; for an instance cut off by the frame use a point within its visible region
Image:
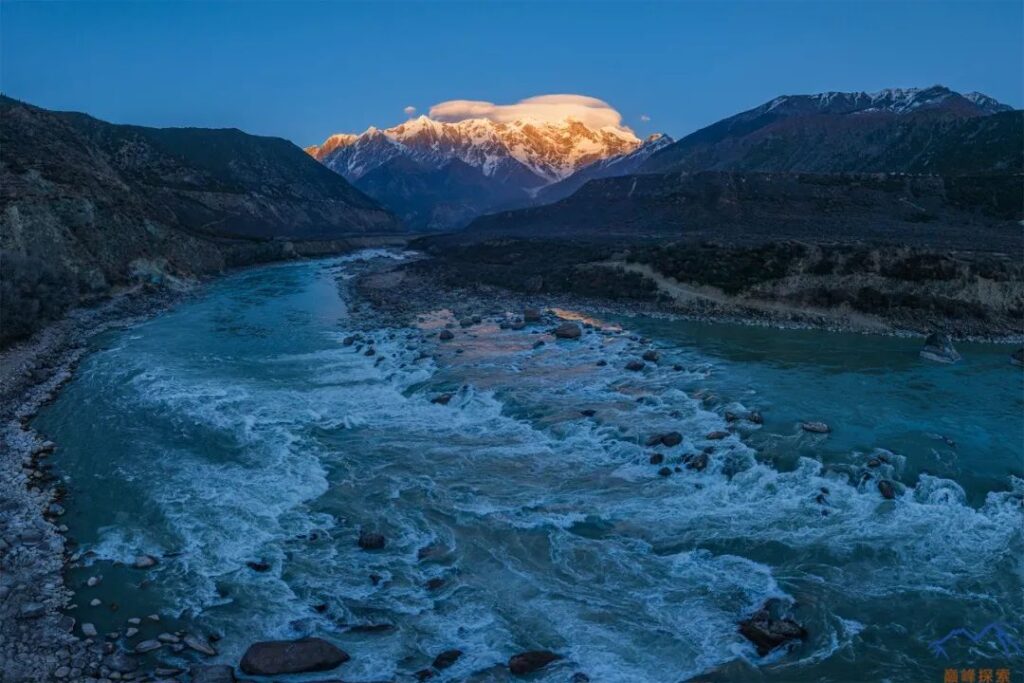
[199, 645]
[568, 331]
[148, 646]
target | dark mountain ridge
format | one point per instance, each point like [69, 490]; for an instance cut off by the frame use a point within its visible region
[967, 212]
[931, 130]
[86, 206]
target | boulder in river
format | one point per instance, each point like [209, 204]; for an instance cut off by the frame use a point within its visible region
[697, 462]
[815, 427]
[651, 356]
[528, 662]
[716, 435]
[657, 458]
[275, 657]
[767, 632]
[671, 439]
[531, 315]
[369, 540]
[886, 488]
[442, 399]
[446, 659]
[144, 562]
[756, 417]
[446, 335]
[568, 331]
[938, 347]
[635, 365]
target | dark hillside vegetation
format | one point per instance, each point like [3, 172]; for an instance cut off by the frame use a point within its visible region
[87, 207]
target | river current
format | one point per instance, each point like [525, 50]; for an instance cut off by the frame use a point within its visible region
[238, 428]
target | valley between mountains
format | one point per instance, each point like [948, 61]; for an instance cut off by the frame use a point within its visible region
[358, 438]
[92, 209]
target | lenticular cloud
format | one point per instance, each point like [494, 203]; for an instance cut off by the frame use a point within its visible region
[590, 111]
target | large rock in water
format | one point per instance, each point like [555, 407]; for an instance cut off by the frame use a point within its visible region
[939, 348]
[767, 633]
[274, 657]
[528, 662]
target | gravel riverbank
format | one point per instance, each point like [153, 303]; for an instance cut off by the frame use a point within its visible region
[37, 641]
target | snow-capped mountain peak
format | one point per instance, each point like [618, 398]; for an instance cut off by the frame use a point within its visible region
[549, 150]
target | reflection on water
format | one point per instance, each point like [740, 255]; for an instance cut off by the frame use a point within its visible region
[525, 513]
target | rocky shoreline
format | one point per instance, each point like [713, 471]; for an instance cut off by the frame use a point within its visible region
[403, 291]
[37, 641]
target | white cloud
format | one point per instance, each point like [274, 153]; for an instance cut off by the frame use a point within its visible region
[590, 111]
[645, 118]
[410, 110]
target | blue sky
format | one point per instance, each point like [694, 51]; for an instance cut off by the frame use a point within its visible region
[304, 70]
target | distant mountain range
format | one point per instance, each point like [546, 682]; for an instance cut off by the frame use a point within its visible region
[441, 176]
[928, 130]
[438, 174]
[87, 205]
[913, 165]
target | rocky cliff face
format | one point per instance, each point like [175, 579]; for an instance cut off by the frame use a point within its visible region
[87, 206]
